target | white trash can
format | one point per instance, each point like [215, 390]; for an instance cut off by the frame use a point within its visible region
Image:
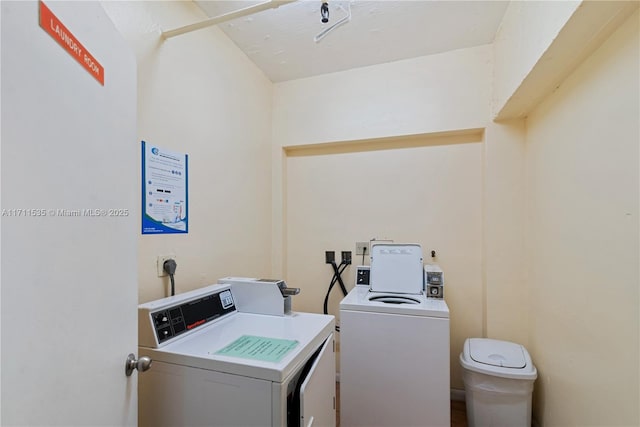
[498, 380]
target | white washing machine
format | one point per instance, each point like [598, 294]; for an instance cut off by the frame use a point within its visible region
[215, 366]
[394, 346]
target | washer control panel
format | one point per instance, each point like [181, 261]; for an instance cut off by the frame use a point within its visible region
[362, 275]
[172, 321]
[434, 281]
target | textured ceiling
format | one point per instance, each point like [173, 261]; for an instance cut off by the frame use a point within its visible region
[281, 41]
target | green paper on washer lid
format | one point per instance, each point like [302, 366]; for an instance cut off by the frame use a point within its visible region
[259, 348]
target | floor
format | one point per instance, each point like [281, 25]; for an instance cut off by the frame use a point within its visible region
[458, 411]
[458, 414]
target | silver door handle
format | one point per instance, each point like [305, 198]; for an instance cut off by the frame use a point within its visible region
[142, 364]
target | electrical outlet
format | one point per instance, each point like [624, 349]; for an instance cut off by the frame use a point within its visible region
[362, 248]
[161, 260]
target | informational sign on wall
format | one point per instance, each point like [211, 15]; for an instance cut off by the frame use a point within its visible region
[61, 34]
[164, 191]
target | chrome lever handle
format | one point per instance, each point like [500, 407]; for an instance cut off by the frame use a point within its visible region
[142, 364]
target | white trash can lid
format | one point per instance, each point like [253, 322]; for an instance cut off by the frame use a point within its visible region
[499, 358]
[497, 353]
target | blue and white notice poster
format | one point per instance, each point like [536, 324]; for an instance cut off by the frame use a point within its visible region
[164, 191]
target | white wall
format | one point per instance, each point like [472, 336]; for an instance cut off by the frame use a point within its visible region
[527, 30]
[582, 161]
[199, 94]
[505, 291]
[433, 93]
[539, 44]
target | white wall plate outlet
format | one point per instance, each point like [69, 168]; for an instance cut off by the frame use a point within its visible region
[160, 263]
[362, 248]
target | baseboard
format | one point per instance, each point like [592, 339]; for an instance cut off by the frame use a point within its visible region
[457, 395]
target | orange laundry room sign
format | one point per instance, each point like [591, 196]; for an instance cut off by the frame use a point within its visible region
[60, 33]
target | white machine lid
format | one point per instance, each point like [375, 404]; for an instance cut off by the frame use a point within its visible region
[396, 268]
[497, 353]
